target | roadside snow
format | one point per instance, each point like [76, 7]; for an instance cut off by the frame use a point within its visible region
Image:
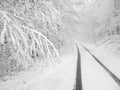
[110, 60]
[61, 77]
[94, 77]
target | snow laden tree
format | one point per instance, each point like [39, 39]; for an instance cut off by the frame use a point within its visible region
[23, 34]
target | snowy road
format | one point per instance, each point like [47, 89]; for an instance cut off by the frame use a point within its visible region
[94, 77]
[115, 78]
[91, 76]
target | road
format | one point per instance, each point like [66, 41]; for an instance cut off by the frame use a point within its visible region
[78, 71]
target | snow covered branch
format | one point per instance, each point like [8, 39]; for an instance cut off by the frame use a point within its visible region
[28, 46]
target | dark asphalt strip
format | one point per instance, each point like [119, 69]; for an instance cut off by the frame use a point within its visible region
[78, 85]
[114, 77]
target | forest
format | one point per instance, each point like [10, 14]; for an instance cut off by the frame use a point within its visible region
[34, 32]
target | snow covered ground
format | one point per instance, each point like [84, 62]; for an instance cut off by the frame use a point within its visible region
[62, 77]
[112, 61]
[54, 78]
[94, 77]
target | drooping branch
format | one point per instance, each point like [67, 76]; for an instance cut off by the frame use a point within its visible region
[28, 44]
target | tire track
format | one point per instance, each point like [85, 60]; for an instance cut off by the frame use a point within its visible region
[78, 83]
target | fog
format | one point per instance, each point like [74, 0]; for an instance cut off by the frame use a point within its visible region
[88, 18]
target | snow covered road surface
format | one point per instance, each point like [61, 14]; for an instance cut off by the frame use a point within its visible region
[94, 77]
[115, 78]
[112, 61]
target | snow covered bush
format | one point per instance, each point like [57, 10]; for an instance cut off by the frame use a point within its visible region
[24, 31]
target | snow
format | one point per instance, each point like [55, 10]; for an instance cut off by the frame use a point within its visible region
[81, 20]
[94, 77]
[110, 44]
[61, 77]
[110, 60]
